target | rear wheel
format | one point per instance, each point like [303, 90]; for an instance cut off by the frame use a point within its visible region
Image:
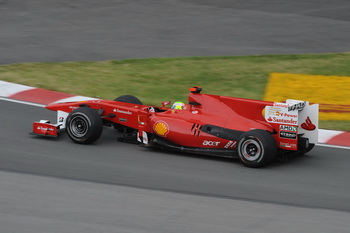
[257, 148]
[84, 125]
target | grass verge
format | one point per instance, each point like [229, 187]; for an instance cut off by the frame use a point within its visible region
[160, 79]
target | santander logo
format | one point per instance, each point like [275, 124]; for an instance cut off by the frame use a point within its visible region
[308, 125]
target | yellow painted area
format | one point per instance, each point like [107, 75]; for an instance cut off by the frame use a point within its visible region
[331, 92]
[161, 128]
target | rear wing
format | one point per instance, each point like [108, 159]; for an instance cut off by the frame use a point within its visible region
[294, 118]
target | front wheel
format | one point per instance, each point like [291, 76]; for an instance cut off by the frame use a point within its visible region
[257, 148]
[84, 125]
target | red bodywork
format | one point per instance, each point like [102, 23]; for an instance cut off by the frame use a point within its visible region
[44, 128]
[207, 122]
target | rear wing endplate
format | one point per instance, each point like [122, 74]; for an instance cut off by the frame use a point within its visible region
[300, 115]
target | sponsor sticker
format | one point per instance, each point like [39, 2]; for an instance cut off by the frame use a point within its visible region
[283, 105]
[46, 129]
[288, 145]
[161, 128]
[283, 121]
[210, 143]
[308, 125]
[298, 106]
[123, 120]
[289, 135]
[122, 111]
[288, 128]
[279, 114]
[230, 144]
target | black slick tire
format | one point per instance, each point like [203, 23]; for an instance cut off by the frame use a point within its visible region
[84, 125]
[256, 148]
[128, 99]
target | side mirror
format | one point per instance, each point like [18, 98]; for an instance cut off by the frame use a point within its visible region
[165, 103]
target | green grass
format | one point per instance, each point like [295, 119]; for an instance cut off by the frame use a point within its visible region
[157, 80]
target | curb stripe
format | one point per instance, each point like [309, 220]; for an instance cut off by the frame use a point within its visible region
[7, 89]
[325, 135]
[40, 96]
[22, 102]
[340, 140]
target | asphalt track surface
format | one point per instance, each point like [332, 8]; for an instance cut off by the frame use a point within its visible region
[65, 30]
[54, 185]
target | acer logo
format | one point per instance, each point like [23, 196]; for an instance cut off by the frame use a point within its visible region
[210, 143]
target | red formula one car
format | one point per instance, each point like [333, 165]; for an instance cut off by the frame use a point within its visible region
[254, 131]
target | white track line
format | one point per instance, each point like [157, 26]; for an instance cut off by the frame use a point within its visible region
[333, 146]
[22, 102]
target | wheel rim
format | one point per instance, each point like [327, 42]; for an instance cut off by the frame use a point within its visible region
[78, 126]
[251, 150]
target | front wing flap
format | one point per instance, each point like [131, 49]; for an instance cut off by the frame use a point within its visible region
[44, 128]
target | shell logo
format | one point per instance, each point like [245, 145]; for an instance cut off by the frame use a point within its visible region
[161, 128]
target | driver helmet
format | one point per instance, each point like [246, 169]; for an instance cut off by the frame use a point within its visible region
[178, 105]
